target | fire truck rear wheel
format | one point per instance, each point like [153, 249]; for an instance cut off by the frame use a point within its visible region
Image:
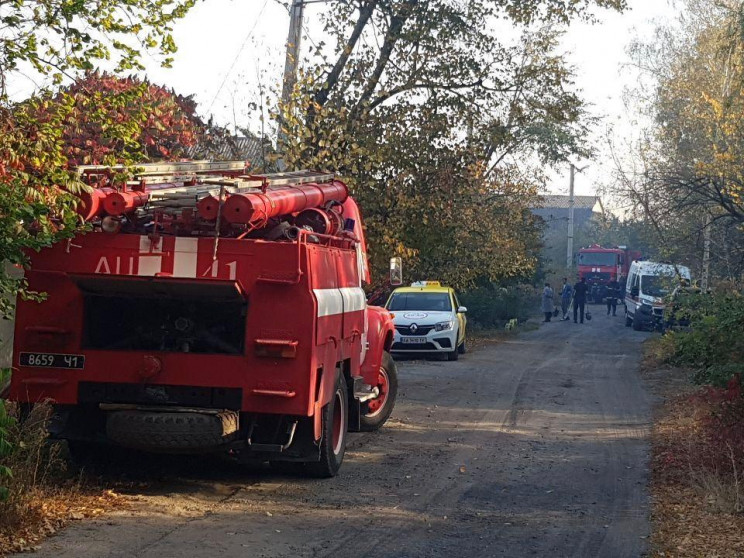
[379, 409]
[335, 424]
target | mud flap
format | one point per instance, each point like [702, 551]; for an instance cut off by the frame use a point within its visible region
[355, 406]
[327, 385]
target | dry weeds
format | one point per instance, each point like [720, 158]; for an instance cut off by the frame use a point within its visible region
[695, 512]
[44, 494]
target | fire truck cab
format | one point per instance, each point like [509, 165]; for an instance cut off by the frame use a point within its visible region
[600, 266]
[209, 310]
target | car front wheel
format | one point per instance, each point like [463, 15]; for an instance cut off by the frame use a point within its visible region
[454, 354]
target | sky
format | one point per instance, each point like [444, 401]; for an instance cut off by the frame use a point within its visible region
[599, 55]
[230, 51]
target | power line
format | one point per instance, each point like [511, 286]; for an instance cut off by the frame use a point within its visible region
[237, 56]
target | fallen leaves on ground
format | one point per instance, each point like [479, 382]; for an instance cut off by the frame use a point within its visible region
[51, 509]
[683, 525]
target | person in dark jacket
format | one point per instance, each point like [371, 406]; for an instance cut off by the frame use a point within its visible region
[613, 292]
[580, 290]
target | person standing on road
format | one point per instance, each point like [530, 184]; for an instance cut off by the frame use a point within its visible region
[566, 293]
[547, 302]
[613, 292]
[580, 290]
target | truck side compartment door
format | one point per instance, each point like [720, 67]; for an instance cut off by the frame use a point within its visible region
[324, 283]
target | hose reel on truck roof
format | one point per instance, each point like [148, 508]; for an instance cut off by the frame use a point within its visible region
[220, 199]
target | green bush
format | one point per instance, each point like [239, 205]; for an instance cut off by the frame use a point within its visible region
[713, 345]
[491, 307]
[718, 375]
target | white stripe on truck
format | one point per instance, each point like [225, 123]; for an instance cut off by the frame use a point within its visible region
[184, 257]
[332, 302]
[354, 299]
[150, 259]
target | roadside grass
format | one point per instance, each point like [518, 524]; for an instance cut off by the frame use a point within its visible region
[697, 464]
[43, 494]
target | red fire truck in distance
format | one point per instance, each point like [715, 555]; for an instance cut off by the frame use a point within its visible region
[601, 265]
[209, 310]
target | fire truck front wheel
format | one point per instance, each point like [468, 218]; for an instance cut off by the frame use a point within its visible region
[379, 408]
[335, 421]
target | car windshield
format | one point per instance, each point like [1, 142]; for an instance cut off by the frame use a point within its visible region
[597, 258]
[432, 302]
[656, 285]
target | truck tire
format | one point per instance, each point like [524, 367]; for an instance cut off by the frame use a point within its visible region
[628, 319]
[335, 424]
[172, 432]
[637, 325]
[379, 409]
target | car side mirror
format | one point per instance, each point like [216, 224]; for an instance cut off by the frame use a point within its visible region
[634, 291]
[462, 310]
[396, 272]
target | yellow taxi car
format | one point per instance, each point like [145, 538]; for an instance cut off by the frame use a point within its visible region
[428, 319]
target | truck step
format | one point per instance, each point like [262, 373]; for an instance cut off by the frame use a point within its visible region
[269, 448]
[273, 448]
[364, 392]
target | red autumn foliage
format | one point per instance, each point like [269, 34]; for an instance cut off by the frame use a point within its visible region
[114, 119]
[710, 439]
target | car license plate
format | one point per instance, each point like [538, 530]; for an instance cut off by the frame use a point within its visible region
[52, 360]
[413, 340]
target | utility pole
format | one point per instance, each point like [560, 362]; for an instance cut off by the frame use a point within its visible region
[571, 203]
[569, 247]
[292, 59]
[706, 254]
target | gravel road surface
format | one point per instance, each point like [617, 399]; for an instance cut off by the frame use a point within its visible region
[536, 446]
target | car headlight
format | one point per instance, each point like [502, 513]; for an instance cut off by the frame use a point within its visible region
[443, 326]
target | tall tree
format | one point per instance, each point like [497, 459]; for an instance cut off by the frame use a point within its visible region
[689, 181]
[415, 91]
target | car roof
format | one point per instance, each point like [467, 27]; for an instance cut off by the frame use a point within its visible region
[662, 268]
[423, 290]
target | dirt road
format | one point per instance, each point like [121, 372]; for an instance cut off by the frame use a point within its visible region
[533, 447]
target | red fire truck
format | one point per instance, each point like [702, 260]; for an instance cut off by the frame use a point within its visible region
[209, 310]
[601, 265]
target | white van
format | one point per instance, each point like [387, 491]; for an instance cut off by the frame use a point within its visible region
[648, 284]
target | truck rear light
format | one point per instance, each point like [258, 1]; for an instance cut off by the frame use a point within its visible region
[276, 348]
